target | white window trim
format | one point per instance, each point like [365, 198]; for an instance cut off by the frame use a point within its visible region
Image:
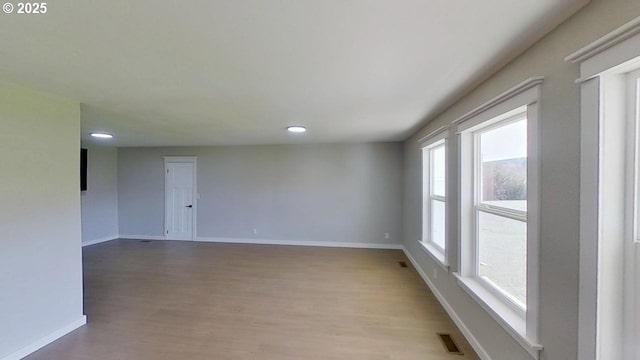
[602, 64]
[632, 215]
[521, 325]
[433, 140]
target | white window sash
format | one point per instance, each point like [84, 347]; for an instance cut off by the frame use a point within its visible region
[428, 216]
[500, 211]
[430, 220]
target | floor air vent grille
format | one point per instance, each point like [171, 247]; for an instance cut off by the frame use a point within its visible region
[449, 344]
[402, 264]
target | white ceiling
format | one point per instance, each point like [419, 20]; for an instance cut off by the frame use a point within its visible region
[239, 71]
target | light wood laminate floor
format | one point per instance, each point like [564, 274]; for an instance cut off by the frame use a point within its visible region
[184, 300]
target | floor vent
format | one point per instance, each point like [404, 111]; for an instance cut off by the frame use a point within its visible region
[449, 344]
[402, 263]
[145, 240]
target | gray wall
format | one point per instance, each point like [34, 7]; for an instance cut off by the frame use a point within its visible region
[332, 192]
[100, 201]
[560, 170]
[40, 253]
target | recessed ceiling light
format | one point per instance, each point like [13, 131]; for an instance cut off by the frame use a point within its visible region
[101, 135]
[296, 129]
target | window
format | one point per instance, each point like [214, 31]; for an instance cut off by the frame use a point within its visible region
[609, 297]
[499, 210]
[617, 325]
[434, 198]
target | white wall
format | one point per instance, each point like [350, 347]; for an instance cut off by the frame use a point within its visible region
[40, 252]
[332, 192]
[100, 201]
[560, 171]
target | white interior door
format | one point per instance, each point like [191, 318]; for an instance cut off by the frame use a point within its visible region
[180, 204]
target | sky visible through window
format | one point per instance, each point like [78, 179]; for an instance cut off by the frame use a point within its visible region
[505, 142]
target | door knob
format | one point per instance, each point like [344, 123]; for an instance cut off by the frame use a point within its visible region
[189, 206]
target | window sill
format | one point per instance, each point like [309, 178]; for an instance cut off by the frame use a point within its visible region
[436, 255]
[510, 320]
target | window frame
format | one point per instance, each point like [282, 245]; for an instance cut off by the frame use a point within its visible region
[429, 143]
[633, 146]
[432, 196]
[480, 206]
[604, 212]
[632, 217]
[521, 324]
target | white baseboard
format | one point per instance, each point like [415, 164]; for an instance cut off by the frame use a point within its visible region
[482, 353]
[301, 243]
[100, 240]
[42, 342]
[143, 237]
[274, 242]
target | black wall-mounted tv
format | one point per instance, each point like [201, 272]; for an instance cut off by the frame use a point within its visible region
[83, 169]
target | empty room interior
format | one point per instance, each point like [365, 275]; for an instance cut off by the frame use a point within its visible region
[273, 179]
